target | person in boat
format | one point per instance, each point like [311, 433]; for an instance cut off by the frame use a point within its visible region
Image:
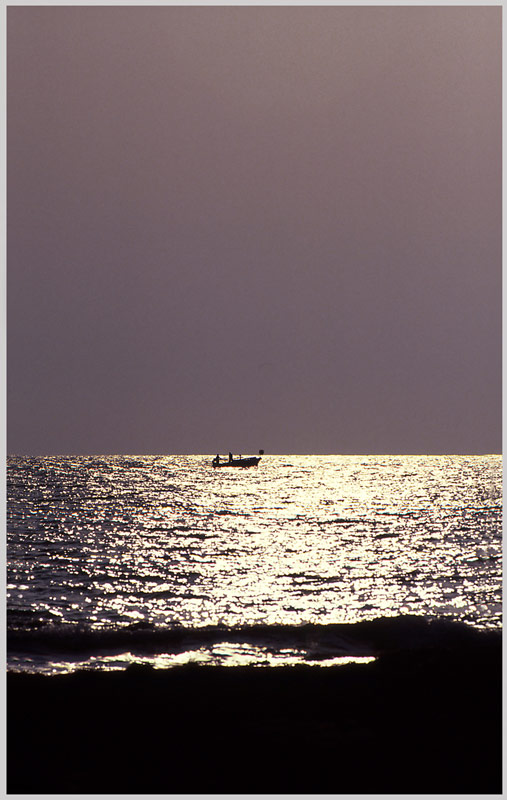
[230, 457]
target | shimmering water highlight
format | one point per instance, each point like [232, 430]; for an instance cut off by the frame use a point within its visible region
[152, 543]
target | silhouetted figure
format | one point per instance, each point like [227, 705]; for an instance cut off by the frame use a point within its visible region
[230, 457]
[217, 459]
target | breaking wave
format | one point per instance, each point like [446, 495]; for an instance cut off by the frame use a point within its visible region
[368, 638]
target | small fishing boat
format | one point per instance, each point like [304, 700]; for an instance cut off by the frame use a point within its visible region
[250, 461]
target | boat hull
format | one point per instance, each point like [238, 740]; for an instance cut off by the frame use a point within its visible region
[237, 462]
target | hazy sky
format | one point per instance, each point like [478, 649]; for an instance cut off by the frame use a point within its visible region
[254, 227]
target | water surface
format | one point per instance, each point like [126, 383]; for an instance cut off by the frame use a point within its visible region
[143, 546]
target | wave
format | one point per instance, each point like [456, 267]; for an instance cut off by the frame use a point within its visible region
[378, 637]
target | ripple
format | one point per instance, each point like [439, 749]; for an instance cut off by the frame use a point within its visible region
[353, 536]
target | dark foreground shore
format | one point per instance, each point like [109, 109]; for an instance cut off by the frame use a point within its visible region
[425, 722]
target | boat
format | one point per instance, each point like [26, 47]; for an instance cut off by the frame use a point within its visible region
[250, 461]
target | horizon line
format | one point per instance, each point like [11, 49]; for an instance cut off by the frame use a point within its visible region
[168, 455]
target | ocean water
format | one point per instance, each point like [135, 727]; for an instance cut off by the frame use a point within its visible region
[304, 559]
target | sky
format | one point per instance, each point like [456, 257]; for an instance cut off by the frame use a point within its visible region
[233, 228]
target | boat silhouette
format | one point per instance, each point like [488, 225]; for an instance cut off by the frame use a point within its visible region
[249, 461]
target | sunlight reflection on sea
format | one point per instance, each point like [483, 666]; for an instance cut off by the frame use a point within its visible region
[116, 542]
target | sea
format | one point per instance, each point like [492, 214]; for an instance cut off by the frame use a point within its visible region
[114, 561]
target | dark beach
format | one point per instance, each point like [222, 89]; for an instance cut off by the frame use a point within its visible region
[423, 722]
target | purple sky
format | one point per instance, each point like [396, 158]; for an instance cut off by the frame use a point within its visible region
[244, 227]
